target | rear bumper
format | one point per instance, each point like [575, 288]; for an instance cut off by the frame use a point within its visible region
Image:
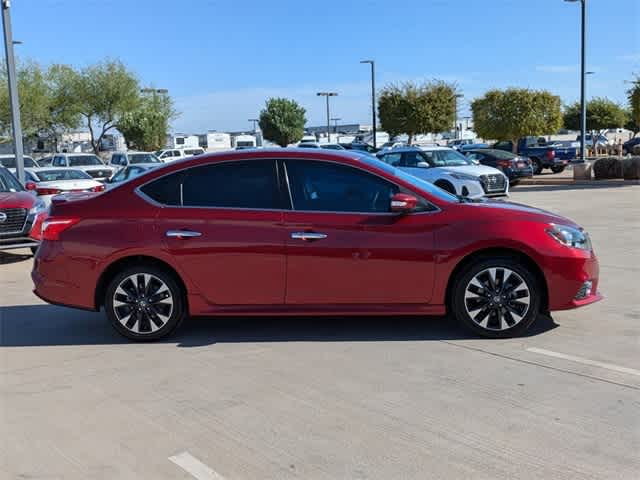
[514, 174]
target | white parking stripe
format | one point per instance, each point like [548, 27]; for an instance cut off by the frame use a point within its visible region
[585, 361]
[195, 467]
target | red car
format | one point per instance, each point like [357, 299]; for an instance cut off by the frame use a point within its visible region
[306, 232]
[21, 214]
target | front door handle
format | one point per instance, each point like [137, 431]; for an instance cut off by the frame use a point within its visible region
[182, 234]
[308, 236]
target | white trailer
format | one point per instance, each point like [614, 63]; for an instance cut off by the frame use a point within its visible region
[218, 141]
[244, 141]
[184, 141]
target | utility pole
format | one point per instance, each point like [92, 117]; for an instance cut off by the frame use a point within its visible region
[373, 99]
[14, 101]
[583, 79]
[455, 120]
[327, 95]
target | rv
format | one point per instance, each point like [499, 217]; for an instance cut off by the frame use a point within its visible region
[244, 141]
[218, 141]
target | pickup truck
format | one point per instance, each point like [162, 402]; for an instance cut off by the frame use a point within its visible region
[542, 154]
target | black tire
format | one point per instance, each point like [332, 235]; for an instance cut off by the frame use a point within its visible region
[537, 166]
[501, 321]
[34, 250]
[446, 186]
[558, 169]
[164, 316]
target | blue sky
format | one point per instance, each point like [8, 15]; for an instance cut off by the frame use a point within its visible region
[221, 59]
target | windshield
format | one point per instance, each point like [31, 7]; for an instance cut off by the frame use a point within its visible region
[10, 162]
[9, 183]
[449, 158]
[82, 160]
[143, 158]
[57, 174]
[416, 182]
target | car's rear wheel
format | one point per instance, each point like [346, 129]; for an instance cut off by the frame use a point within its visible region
[144, 303]
[558, 169]
[497, 297]
[537, 166]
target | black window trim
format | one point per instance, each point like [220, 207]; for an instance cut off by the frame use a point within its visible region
[279, 160]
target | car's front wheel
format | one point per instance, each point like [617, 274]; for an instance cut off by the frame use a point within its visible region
[144, 303]
[497, 297]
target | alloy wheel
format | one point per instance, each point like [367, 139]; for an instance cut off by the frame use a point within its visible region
[143, 303]
[497, 298]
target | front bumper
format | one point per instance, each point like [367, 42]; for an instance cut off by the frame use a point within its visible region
[566, 277]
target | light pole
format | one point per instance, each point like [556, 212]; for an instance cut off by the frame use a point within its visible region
[455, 115]
[335, 124]
[327, 95]
[14, 102]
[373, 99]
[254, 121]
[583, 81]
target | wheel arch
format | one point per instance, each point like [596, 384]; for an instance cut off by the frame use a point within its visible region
[493, 252]
[441, 181]
[125, 262]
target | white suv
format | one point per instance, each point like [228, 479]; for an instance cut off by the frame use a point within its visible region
[449, 170]
[172, 154]
[87, 162]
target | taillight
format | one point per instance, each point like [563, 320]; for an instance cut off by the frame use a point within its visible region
[53, 227]
[504, 163]
[550, 154]
[97, 188]
[48, 191]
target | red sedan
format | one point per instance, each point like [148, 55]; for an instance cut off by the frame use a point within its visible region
[306, 232]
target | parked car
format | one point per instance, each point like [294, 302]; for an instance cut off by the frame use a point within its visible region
[627, 147]
[541, 154]
[21, 214]
[45, 161]
[46, 183]
[449, 170]
[128, 173]
[87, 162]
[472, 146]
[173, 154]
[123, 159]
[392, 145]
[9, 161]
[307, 232]
[364, 147]
[513, 166]
[459, 142]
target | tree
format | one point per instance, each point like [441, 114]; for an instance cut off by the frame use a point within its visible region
[146, 127]
[602, 114]
[516, 112]
[282, 121]
[415, 109]
[633, 96]
[104, 93]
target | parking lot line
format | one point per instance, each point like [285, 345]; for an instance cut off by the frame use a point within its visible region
[195, 467]
[585, 361]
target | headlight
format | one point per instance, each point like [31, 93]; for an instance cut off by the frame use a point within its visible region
[38, 207]
[570, 236]
[463, 176]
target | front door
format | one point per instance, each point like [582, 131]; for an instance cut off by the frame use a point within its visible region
[226, 232]
[345, 247]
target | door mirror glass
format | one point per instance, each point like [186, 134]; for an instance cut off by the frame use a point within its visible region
[422, 165]
[403, 203]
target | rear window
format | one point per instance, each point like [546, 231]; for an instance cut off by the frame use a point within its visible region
[10, 162]
[500, 154]
[55, 175]
[143, 158]
[83, 160]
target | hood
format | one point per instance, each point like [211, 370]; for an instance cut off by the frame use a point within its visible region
[17, 200]
[512, 210]
[475, 170]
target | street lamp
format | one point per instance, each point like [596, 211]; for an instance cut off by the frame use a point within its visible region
[455, 117]
[14, 102]
[583, 81]
[327, 95]
[335, 121]
[373, 98]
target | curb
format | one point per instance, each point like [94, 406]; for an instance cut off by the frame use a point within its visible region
[570, 181]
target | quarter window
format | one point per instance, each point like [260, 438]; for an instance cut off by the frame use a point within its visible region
[325, 186]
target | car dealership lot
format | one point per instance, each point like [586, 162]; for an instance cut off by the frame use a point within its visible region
[333, 398]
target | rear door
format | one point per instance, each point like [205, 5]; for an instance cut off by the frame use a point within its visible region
[223, 224]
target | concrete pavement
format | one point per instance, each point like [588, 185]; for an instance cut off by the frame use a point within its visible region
[333, 398]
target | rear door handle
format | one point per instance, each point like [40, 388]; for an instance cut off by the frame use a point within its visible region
[308, 236]
[182, 234]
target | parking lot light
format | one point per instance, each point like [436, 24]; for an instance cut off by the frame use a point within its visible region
[583, 81]
[373, 99]
[327, 95]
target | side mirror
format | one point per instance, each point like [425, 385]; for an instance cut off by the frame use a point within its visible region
[31, 186]
[403, 203]
[423, 165]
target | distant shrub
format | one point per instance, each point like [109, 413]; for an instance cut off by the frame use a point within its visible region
[631, 168]
[608, 167]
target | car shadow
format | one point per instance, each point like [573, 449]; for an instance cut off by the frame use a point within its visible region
[47, 325]
[7, 258]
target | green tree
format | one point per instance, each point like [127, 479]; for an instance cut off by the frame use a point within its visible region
[146, 126]
[516, 112]
[282, 121]
[602, 114]
[104, 93]
[633, 96]
[414, 109]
